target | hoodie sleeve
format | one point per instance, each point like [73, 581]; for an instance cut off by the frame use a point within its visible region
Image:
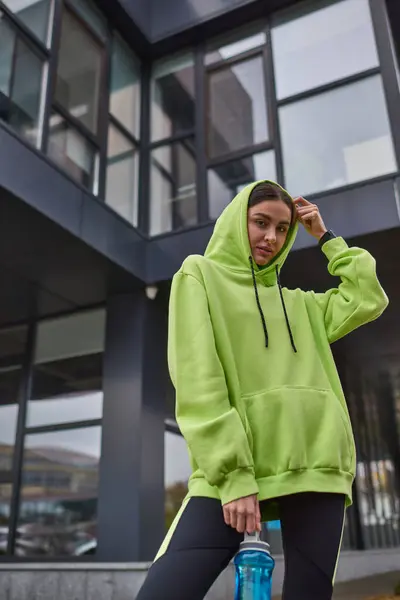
[359, 299]
[210, 424]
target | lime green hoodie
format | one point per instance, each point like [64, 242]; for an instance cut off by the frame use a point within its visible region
[264, 418]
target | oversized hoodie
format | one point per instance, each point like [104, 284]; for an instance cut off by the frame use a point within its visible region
[258, 396]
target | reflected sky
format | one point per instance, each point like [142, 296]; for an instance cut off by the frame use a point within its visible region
[177, 466]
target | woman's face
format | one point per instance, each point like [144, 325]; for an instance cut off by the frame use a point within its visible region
[268, 224]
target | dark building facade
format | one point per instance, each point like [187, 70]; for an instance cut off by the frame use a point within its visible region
[125, 129]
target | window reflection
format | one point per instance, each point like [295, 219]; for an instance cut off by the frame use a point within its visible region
[334, 139]
[226, 180]
[67, 377]
[173, 187]
[12, 349]
[125, 87]
[323, 46]
[70, 150]
[237, 114]
[58, 507]
[234, 44]
[34, 14]
[122, 175]
[372, 404]
[177, 471]
[5, 502]
[79, 72]
[21, 75]
[172, 108]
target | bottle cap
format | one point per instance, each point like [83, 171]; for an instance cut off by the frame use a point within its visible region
[252, 541]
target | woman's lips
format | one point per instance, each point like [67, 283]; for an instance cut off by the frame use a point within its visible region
[265, 251]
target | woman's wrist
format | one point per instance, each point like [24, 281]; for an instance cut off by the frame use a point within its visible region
[325, 237]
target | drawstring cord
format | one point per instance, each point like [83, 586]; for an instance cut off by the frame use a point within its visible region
[284, 310]
[260, 310]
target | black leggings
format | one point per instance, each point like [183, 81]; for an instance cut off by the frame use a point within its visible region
[202, 546]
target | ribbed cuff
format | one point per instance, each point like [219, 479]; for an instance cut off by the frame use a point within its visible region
[333, 247]
[238, 484]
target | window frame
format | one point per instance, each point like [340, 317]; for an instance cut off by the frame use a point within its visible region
[22, 34]
[223, 65]
[95, 139]
[113, 121]
[181, 140]
[22, 429]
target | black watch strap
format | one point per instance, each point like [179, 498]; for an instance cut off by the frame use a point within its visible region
[329, 235]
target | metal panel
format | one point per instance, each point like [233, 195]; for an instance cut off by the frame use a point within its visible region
[114, 237]
[29, 176]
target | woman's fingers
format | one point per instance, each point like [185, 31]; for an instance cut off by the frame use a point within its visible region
[258, 517]
[301, 202]
[250, 522]
[227, 515]
[243, 514]
[234, 517]
[241, 520]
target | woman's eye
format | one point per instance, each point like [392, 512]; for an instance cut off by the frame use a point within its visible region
[282, 229]
[260, 223]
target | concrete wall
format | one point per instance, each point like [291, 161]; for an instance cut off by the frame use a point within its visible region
[69, 581]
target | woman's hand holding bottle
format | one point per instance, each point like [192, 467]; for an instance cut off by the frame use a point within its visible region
[243, 514]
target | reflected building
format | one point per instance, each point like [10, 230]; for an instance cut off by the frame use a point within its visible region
[123, 136]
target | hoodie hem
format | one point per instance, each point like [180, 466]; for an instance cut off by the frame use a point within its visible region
[324, 480]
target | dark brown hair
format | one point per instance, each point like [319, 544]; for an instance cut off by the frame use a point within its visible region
[270, 191]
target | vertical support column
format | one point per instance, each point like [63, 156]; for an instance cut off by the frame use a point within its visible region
[131, 489]
[388, 62]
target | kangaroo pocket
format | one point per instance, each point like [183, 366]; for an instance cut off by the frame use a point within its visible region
[297, 428]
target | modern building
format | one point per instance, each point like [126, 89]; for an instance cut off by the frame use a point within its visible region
[126, 126]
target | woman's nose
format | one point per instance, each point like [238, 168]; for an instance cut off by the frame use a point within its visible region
[270, 235]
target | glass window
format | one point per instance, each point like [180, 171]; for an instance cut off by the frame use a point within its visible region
[58, 507]
[12, 350]
[173, 187]
[323, 46]
[7, 44]
[122, 175]
[26, 93]
[21, 77]
[234, 44]
[177, 471]
[227, 180]
[79, 72]
[125, 87]
[91, 14]
[67, 376]
[172, 107]
[336, 138]
[34, 14]
[5, 503]
[78, 334]
[71, 150]
[237, 107]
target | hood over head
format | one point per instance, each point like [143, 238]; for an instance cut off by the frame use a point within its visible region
[229, 244]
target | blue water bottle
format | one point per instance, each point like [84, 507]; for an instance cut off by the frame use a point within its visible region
[254, 565]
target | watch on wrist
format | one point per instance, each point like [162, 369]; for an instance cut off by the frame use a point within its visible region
[328, 235]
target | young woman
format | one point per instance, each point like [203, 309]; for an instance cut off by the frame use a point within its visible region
[258, 397]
